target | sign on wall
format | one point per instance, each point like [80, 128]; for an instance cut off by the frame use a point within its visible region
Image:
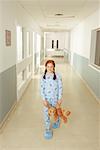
[8, 38]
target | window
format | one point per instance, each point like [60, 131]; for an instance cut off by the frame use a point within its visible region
[57, 45]
[95, 48]
[97, 52]
[28, 44]
[52, 43]
[20, 53]
[38, 47]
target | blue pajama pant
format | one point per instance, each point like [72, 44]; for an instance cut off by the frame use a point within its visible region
[46, 116]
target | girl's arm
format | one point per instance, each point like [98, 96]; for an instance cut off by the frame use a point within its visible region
[45, 102]
[60, 91]
[42, 88]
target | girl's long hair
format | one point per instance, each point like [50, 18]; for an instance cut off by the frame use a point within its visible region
[49, 61]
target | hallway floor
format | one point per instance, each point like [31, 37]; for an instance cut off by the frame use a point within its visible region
[24, 130]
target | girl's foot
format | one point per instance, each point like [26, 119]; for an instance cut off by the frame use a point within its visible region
[56, 124]
[48, 134]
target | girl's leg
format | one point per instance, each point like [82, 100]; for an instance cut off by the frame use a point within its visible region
[48, 132]
[57, 123]
[46, 118]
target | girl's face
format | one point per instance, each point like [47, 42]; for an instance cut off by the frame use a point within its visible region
[50, 68]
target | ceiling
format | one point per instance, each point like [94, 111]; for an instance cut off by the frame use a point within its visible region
[74, 11]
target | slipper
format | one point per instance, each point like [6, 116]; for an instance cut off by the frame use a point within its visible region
[56, 124]
[48, 134]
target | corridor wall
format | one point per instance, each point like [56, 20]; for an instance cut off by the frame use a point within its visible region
[80, 47]
[12, 14]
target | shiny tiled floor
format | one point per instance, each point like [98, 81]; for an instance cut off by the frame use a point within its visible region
[24, 130]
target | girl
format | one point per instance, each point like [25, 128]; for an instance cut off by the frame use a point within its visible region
[51, 92]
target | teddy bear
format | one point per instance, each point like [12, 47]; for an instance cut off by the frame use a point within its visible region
[52, 112]
[63, 114]
[58, 112]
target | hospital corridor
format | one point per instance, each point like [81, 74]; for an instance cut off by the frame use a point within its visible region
[66, 32]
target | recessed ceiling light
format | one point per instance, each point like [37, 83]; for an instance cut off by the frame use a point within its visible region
[64, 16]
[59, 14]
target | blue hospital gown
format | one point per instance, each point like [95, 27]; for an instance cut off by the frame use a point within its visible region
[51, 90]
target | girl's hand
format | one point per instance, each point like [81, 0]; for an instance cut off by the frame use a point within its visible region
[59, 102]
[46, 104]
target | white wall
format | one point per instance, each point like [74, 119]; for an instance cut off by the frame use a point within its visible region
[81, 34]
[67, 40]
[80, 46]
[11, 15]
[63, 38]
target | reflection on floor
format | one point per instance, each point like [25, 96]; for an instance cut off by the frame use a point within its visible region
[24, 130]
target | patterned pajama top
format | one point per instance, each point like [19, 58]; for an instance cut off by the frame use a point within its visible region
[51, 90]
